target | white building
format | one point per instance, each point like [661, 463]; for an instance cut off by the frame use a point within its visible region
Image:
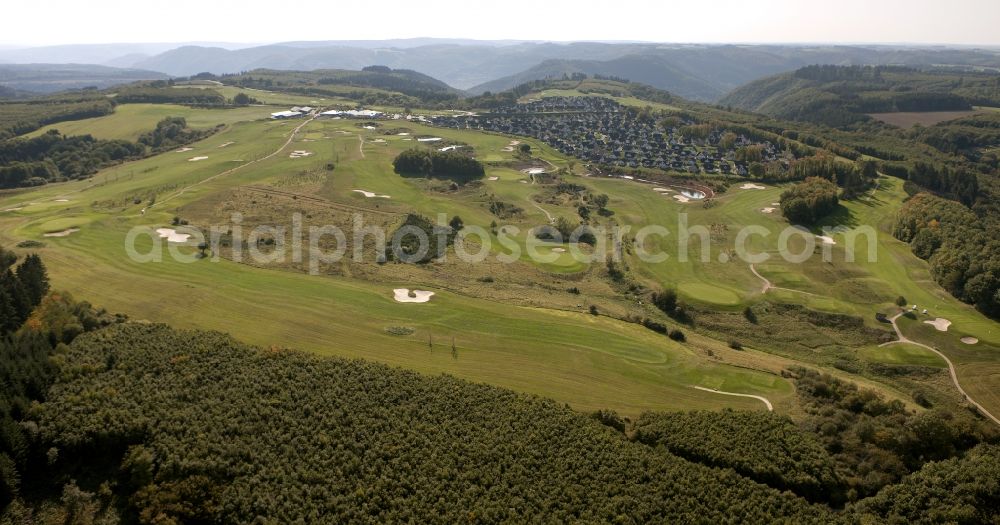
[286, 114]
[353, 113]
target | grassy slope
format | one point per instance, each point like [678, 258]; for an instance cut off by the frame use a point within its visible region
[611, 364]
[588, 361]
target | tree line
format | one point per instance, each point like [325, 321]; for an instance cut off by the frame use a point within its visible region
[53, 157]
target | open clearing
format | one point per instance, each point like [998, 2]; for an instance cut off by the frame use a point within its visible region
[907, 120]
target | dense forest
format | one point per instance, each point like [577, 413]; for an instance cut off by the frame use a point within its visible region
[20, 117]
[962, 247]
[185, 417]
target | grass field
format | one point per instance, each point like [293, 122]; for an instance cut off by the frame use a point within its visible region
[131, 120]
[526, 331]
[902, 355]
[907, 120]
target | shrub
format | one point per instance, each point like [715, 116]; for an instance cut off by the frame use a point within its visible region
[677, 335]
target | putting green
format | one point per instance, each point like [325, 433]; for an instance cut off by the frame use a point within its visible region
[902, 354]
[708, 293]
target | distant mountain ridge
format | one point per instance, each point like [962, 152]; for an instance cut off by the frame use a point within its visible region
[698, 71]
[50, 78]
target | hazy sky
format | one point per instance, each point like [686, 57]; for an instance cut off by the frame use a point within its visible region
[44, 22]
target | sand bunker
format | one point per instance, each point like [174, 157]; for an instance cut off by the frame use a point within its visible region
[298, 154]
[404, 295]
[775, 204]
[449, 148]
[15, 209]
[682, 198]
[493, 178]
[752, 186]
[64, 233]
[402, 134]
[663, 190]
[183, 150]
[940, 323]
[767, 210]
[171, 235]
[628, 177]
[430, 139]
[826, 239]
[196, 159]
[969, 340]
[226, 144]
[534, 171]
[559, 250]
[370, 194]
[62, 200]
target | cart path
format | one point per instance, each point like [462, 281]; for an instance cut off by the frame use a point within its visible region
[714, 391]
[291, 137]
[902, 339]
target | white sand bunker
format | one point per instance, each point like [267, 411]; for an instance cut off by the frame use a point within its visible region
[826, 239]
[970, 340]
[62, 200]
[407, 140]
[559, 250]
[493, 178]
[663, 190]
[378, 141]
[171, 235]
[64, 233]
[196, 159]
[298, 154]
[404, 295]
[767, 210]
[775, 204]
[230, 143]
[183, 150]
[15, 209]
[510, 147]
[940, 323]
[534, 171]
[449, 148]
[682, 198]
[752, 186]
[371, 194]
[430, 139]
[402, 134]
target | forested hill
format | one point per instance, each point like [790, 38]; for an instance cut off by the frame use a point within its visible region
[237, 433]
[405, 81]
[843, 95]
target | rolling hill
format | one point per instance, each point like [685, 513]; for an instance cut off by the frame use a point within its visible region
[842, 96]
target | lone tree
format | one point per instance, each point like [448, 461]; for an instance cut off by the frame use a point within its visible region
[456, 223]
[525, 149]
[901, 301]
